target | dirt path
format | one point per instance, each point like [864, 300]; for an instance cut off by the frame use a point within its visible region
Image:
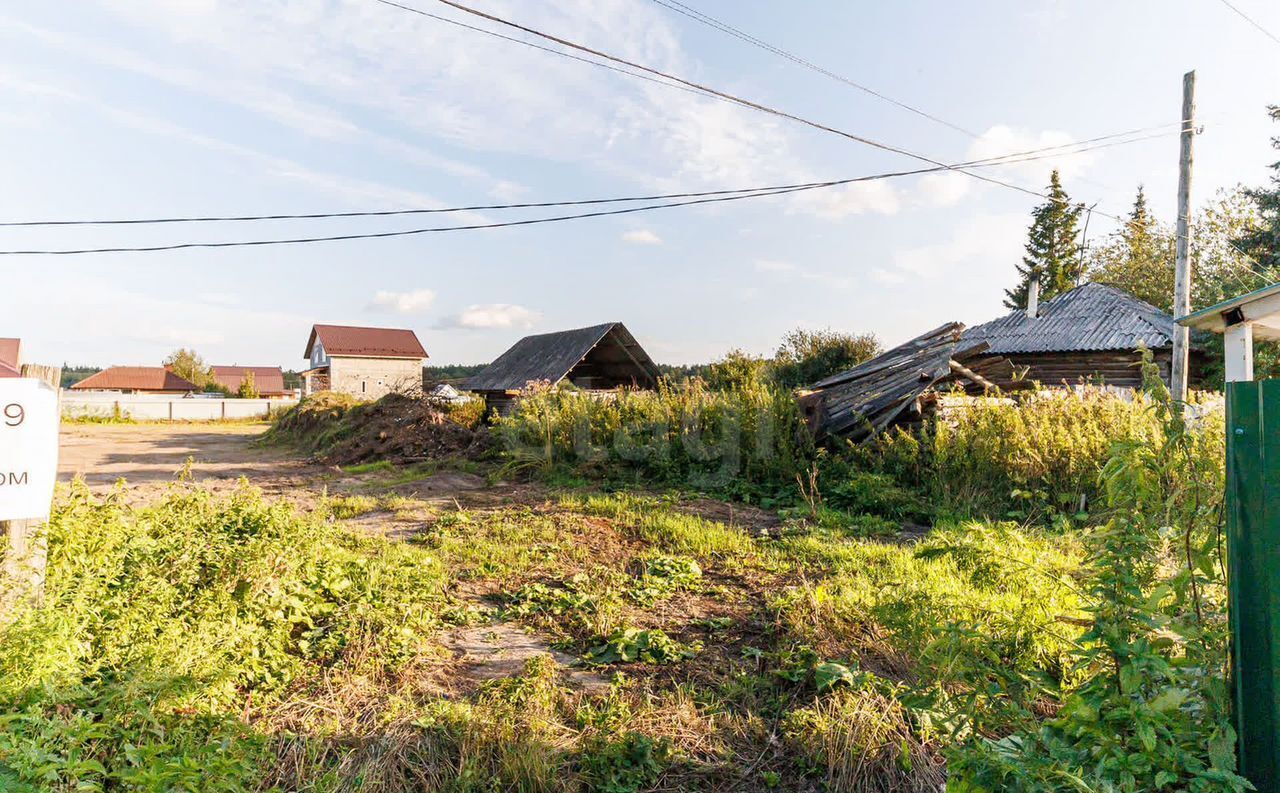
[150, 456]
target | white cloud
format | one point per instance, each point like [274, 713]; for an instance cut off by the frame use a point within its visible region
[492, 315]
[947, 189]
[879, 197]
[774, 266]
[986, 243]
[505, 190]
[412, 302]
[793, 270]
[641, 237]
[888, 277]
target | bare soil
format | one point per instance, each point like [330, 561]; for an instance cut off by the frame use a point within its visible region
[151, 457]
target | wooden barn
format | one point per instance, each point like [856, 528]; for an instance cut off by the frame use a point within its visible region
[598, 358]
[1087, 335]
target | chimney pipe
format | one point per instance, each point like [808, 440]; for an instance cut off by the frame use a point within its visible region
[1033, 298]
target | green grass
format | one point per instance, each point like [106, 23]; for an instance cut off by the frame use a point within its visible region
[231, 643]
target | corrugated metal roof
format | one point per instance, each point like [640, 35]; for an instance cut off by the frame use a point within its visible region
[1091, 317]
[135, 378]
[366, 342]
[268, 380]
[551, 356]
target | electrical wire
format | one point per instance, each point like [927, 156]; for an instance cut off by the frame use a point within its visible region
[738, 100]
[756, 193]
[725, 27]
[1251, 21]
[1078, 147]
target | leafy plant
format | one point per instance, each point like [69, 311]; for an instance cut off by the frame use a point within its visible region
[1152, 712]
[649, 646]
[627, 765]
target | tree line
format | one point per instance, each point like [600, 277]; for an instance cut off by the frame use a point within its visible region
[1235, 249]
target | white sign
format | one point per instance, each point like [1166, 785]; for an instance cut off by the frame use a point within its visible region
[28, 448]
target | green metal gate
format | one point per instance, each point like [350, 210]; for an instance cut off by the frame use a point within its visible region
[1253, 531]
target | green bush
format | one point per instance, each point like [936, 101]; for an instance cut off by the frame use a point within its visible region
[1153, 711]
[159, 622]
[1034, 460]
[747, 442]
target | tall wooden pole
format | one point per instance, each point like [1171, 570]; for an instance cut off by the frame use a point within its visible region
[1182, 267]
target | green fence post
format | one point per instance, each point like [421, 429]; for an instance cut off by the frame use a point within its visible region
[1253, 539]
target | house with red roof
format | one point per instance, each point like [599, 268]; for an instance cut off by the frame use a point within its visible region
[365, 362]
[10, 357]
[137, 380]
[268, 381]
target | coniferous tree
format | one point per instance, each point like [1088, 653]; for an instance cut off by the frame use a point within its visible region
[1263, 243]
[1053, 254]
[1138, 258]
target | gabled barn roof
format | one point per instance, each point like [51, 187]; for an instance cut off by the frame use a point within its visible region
[268, 380]
[343, 340]
[552, 356]
[10, 357]
[1089, 318]
[135, 378]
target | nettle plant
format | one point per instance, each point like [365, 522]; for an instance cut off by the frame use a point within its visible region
[1152, 712]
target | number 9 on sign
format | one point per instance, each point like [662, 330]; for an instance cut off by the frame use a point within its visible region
[14, 414]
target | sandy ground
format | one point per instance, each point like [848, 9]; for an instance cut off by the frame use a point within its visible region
[149, 456]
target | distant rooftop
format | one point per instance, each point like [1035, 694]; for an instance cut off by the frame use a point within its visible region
[268, 380]
[135, 378]
[343, 340]
[10, 357]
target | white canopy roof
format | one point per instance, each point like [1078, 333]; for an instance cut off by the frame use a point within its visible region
[1260, 307]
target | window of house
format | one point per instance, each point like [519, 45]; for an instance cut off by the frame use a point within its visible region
[364, 386]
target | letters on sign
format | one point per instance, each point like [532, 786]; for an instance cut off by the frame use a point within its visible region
[28, 448]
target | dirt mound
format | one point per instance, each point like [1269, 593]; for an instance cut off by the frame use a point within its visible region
[340, 430]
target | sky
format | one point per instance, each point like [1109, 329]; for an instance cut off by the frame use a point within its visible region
[156, 108]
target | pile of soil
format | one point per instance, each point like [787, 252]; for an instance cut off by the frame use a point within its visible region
[342, 431]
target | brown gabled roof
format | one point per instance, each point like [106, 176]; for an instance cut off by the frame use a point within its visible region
[10, 357]
[135, 378]
[366, 342]
[268, 380]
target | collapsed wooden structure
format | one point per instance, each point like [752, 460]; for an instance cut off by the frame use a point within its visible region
[900, 385]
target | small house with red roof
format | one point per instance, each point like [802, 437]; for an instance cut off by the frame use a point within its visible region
[137, 380]
[267, 381]
[365, 362]
[10, 357]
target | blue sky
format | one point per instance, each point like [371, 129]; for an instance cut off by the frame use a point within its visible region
[147, 108]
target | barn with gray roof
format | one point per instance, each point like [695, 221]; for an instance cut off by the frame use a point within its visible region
[596, 358]
[1089, 334]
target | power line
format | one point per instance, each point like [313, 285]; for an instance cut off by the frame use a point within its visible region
[440, 229]
[561, 53]
[736, 99]
[756, 193]
[725, 27]
[1251, 21]
[1077, 147]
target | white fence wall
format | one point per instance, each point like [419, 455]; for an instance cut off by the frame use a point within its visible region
[144, 407]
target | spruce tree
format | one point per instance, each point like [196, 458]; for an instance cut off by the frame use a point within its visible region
[1138, 258]
[1053, 254]
[1263, 243]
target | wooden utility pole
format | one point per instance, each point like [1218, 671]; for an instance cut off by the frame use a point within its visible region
[1182, 267]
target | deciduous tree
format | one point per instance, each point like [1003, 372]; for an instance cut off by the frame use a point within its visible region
[806, 356]
[187, 364]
